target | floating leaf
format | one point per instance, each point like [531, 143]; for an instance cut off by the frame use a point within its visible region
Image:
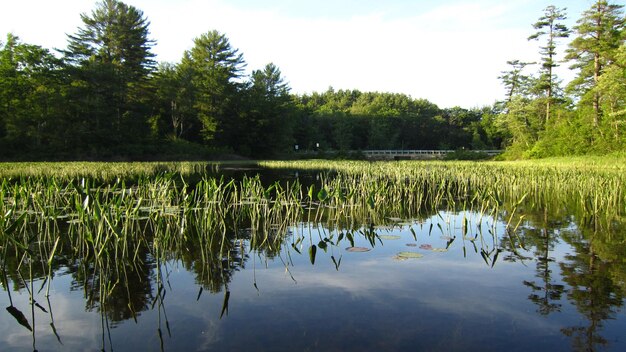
[389, 237]
[440, 250]
[410, 255]
[426, 247]
[411, 244]
[358, 249]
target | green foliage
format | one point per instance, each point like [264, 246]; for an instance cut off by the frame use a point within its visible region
[32, 90]
[548, 25]
[105, 98]
[266, 122]
[600, 32]
[596, 124]
[214, 67]
[109, 63]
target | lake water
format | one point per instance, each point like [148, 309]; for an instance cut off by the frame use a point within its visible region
[440, 281]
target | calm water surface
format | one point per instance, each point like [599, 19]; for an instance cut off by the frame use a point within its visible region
[554, 284]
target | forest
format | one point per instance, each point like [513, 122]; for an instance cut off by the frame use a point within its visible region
[105, 97]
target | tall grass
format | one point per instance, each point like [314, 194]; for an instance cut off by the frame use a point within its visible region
[102, 217]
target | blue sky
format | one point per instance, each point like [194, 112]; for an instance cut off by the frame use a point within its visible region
[450, 52]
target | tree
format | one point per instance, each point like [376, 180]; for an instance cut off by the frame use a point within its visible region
[548, 25]
[612, 91]
[110, 62]
[266, 125]
[215, 68]
[31, 97]
[514, 81]
[174, 103]
[600, 32]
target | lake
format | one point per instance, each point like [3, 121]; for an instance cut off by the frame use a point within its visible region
[310, 260]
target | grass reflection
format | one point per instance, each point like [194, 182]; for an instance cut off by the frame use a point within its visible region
[116, 238]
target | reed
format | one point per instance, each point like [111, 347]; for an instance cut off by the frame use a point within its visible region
[102, 217]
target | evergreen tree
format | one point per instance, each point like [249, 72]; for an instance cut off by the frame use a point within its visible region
[548, 25]
[215, 68]
[600, 32]
[175, 96]
[515, 81]
[611, 89]
[270, 116]
[110, 62]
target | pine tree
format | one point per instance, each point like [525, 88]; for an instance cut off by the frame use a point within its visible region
[110, 62]
[265, 126]
[215, 68]
[600, 32]
[548, 25]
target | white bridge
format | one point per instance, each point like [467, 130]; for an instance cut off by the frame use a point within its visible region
[417, 154]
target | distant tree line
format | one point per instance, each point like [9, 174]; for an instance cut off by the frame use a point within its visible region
[104, 96]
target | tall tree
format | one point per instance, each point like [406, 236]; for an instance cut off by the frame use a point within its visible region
[174, 103]
[549, 25]
[266, 125]
[31, 97]
[600, 32]
[111, 60]
[515, 81]
[612, 90]
[216, 68]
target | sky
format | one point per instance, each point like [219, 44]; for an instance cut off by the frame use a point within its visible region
[449, 52]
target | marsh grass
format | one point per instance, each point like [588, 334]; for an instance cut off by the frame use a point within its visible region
[101, 217]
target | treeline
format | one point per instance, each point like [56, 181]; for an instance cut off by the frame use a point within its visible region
[104, 96]
[352, 120]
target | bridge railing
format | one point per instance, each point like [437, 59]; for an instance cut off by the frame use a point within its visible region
[391, 154]
[422, 152]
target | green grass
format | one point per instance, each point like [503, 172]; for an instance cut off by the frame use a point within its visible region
[103, 215]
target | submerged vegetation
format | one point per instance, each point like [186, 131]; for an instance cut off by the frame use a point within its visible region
[110, 223]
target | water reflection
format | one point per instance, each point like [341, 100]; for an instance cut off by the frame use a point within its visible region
[254, 278]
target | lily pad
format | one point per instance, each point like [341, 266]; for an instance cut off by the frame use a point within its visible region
[411, 245]
[358, 249]
[441, 250]
[426, 247]
[410, 255]
[389, 237]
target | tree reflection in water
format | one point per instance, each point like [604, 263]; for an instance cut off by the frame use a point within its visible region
[121, 282]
